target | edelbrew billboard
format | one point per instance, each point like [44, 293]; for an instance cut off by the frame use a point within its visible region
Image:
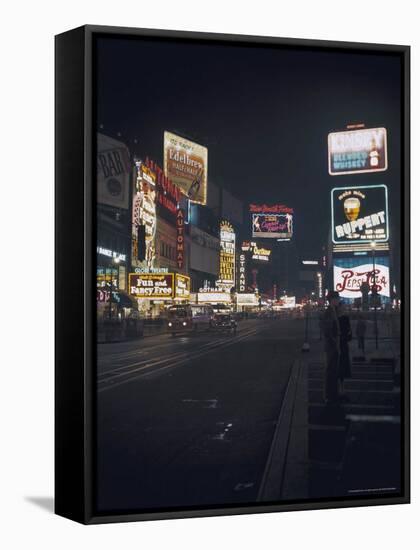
[357, 151]
[359, 214]
[185, 164]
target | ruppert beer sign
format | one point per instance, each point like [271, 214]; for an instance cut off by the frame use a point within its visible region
[357, 151]
[359, 214]
[185, 163]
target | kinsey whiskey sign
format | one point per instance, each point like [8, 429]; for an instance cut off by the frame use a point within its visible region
[357, 151]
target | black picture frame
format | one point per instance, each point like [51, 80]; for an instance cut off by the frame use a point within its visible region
[75, 257]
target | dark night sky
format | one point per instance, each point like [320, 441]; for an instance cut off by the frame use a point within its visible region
[264, 114]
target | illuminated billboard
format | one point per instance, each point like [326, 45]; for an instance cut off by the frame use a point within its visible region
[144, 218]
[151, 285]
[272, 221]
[227, 256]
[182, 286]
[212, 295]
[185, 164]
[113, 172]
[357, 151]
[260, 254]
[359, 214]
[350, 273]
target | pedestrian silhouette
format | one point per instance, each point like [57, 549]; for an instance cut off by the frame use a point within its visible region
[344, 367]
[331, 327]
[361, 332]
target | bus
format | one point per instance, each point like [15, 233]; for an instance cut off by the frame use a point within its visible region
[184, 318]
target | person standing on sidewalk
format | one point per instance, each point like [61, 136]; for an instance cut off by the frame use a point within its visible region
[361, 332]
[331, 327]
[345, 337]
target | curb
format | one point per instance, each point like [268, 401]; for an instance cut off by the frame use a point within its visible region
[287, 460]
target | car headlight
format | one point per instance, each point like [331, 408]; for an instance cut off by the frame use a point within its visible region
[184, 323]
[169, 324]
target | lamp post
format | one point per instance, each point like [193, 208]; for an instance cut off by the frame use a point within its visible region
[375, 317]
[115, 261]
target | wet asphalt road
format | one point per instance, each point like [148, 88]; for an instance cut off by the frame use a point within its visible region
[188, 421]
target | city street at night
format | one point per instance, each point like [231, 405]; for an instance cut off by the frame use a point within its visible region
[190, 420]
[248, 282]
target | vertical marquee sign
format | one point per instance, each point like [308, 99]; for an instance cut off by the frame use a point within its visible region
[227, 256]
[144, 218]
[180, 238]
[242, 272]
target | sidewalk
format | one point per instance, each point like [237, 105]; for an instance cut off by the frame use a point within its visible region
[351, 448]
[354, 447]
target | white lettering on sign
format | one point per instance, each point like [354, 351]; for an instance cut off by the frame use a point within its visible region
[348, 280]
[360, 224]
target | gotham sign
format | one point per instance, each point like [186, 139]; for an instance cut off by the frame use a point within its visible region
[359, 214]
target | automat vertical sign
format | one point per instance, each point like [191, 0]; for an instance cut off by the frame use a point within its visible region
[180, 238]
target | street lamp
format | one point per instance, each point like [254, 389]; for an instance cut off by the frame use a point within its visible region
[115, 261]
[373, 246]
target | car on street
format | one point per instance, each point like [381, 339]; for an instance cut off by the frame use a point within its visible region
[225, 322]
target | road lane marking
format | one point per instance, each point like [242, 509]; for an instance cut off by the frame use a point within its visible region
[176, 356]
[212, 343]
[146, 361]
[152, 371]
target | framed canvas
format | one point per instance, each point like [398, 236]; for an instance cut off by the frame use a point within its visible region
[232, 274]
